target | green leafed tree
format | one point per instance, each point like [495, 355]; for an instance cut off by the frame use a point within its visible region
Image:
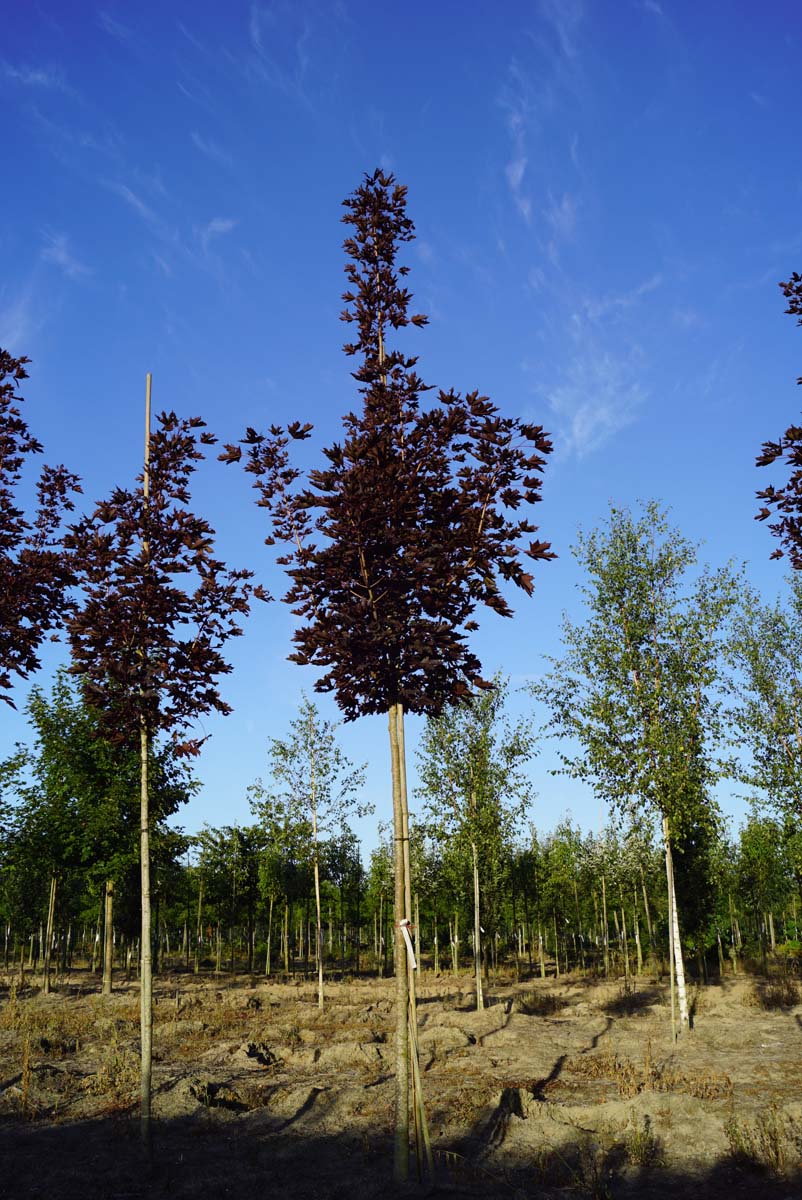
[313, 784]
[765, 651]
[471, 766]
[636, 694]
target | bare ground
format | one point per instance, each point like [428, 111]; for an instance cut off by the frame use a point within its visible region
[559, 1088]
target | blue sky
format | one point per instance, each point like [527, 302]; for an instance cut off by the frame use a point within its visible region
[605, 196]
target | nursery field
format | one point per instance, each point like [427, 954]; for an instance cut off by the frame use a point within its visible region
[559, 1087]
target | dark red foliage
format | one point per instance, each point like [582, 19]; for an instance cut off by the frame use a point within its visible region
[34, 571]
[786, 502]
[158, 605]
[412, 522]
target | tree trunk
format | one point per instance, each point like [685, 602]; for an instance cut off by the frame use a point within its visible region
[269, 935]
[625, 945]
[51, 915]
[477, 931]
[674, 932]
[146, 971]
[636, 922]
[436, 944]
[108, 938]
[96, 941]
[422, 1141]
[647, 914]
[417, 930]
[401, 1144]
[286, 936]
[199, 926]
[605, 931]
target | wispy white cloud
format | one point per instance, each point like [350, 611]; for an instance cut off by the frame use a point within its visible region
[217, 227]
[561, 217]
[56, 250]
[21, 316]
[516, 100]
[652, 6]
[599, 395]
[514, 172]
[613, 304]
[564, 18]
[211, 149]
[163, 265]
[280, 36]
[66, 139]
[256, 17]
[114, 28]
[49, 78]
[686, 318]
[133, 200]
[535, 84]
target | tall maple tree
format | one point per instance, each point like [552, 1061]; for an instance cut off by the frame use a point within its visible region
[412, 523]
[147, 639]
[35, 572]
[785, 502]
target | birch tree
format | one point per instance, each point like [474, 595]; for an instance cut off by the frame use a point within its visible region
[765, 652]
[475, 789]
[314, 782]
[637, 689]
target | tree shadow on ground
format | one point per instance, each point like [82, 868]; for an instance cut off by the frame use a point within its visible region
[206, 1156]
[630, 1004]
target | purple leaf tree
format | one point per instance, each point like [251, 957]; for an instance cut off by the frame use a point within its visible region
[34, 570]
[785, 503]
[147, 639]
[417, 518]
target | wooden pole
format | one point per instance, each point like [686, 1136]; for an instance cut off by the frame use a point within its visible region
[146, 970]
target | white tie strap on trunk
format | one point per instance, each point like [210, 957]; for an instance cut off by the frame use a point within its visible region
[405, 925]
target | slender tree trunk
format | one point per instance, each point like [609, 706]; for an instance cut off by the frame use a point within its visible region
[269, 934]
[423, 1147]
[318, 930]
[435, 944]
[647, 913]
[401, 1145]
[146, 971]
[605, 931]
[96, 941]
[51, 915]
[108, 938]
[636, 922]
[579, 926]
[199, 926]
[477, 931]
[674, 927]
[417, 930]
[556, 947]
[286, 936]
